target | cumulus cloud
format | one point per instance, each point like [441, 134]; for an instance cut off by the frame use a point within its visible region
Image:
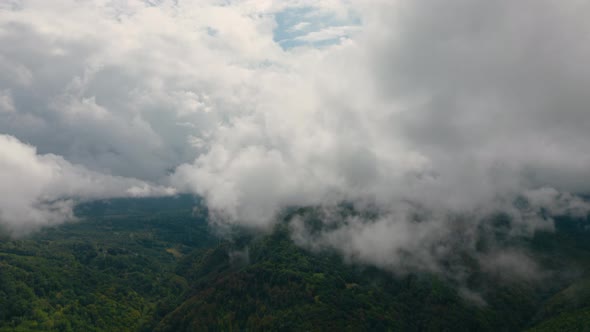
[451, 111]
[109, 95]
[40, 190]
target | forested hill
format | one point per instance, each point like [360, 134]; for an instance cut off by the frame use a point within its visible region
[145, 265]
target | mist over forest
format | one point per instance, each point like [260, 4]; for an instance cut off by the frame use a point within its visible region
[170, 165]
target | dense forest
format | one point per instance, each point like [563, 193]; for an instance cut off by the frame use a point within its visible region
[156, 265]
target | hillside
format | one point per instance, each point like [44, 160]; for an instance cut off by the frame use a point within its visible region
[143, 265]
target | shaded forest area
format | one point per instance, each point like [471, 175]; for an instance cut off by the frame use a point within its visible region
[155, 265]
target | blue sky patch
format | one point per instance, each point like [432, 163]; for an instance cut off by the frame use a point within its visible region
[312, 27]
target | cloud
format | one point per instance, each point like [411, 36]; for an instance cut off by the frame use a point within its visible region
[454, 109]
[6, 103]
[40, 190]
[114, 90]
[510, 265]
[330, 33]
[300, 26]
[462, 108]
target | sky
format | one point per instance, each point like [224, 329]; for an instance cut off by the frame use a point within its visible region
[452, 110]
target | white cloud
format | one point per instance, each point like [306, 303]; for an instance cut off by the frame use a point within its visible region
[458, 108]
[6, 103]
[300, 26]
[40, 190]
[329, 33]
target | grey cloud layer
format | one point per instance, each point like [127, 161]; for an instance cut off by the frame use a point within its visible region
[455, 107]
